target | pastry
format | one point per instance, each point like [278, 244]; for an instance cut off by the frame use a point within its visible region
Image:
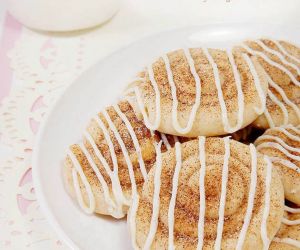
[282, 145]
[288, 236]
[281, 62]
[112, 162]
[208, 193]
[200, 91]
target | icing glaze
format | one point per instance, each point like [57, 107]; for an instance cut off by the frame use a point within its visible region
[156, 200]
[275, 64]
[224, 113]
[251, 197]
[202, 192]
[117, 200]
[223, 193]
[174, 194]
[289, 241]
[279, 55]
[78, 170]
[257, 83]
[174, 93]
[285, 52]
[264, 234]
[202, 205]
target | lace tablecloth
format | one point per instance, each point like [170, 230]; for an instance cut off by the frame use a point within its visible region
[37, 66]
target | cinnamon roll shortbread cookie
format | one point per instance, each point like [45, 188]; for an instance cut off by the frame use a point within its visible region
[200, 91]
[282, 145]
[208, 193]
[288, 236]
[111, 164]
[281, 63]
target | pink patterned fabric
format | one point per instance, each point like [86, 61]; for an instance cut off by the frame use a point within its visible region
[11, 32]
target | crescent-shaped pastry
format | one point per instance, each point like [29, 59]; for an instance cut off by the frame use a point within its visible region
[282, 145]
[111, 164]
[281, 62]
[208, 193]
[200, 91]
[288, 236]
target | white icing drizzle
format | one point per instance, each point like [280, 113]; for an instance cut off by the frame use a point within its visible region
[196, 105]
[289, 241]
[295, 129]
[224, 111]
[201, 191]
[264, 233]
[286, 163]
[273, 84]
[279, 55]
[251, 197]
[292, 210]
[223, 193]
[269, 118]
[287, 133]
[202, 205]
[290, 222]
[174, 194]
[115, 204]
[116, 179]
[157, 102]
[285, 52]
[241, 104]
[78, 170]
[131, 217]
[271, 62]
[134, 139]
[283, 95]
[116, 187]
[135, 196]
[281, 106]
[103, 183]
[278, 147]
[124, 151]
[257, 83]
[165, 140]
[156, 200]
[279, 140]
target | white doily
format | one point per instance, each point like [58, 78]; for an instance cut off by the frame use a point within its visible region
[44, 66]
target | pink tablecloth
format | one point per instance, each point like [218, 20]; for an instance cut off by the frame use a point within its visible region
[11, 32]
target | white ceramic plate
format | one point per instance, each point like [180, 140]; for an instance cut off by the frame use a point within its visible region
[98, 87]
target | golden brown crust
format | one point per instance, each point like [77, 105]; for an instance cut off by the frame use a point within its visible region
[208, 119]
[188, 196]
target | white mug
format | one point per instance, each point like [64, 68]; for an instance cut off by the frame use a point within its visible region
[62, 15]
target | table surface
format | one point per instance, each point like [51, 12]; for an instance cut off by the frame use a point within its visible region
[136, 18]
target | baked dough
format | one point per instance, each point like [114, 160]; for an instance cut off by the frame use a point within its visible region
[111, 164]
[282, 145]
[199, 91]
[281, 62]
[212, 192]
[288, 236]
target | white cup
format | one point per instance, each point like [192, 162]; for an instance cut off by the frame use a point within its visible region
[62, 15]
